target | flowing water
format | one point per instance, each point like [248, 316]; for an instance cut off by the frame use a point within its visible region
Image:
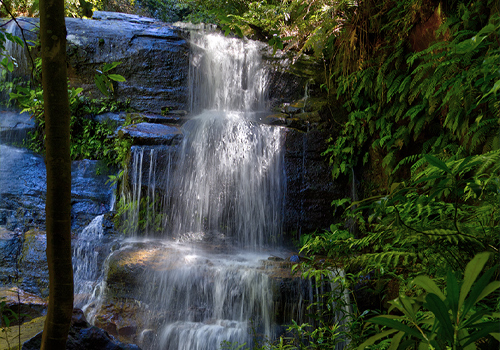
[204, 217]
[220, 194]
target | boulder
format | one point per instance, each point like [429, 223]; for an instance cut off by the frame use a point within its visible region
[154, 56]
[83, 336]
[14, 127]
[25, 262]
[25, 306]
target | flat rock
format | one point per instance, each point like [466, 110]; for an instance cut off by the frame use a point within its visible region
[152, 134]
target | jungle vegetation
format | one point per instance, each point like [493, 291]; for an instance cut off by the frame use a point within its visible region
[414, 111]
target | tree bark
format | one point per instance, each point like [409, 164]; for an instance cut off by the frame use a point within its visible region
[58, 164]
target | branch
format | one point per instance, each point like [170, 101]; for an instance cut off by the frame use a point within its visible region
[22, 34]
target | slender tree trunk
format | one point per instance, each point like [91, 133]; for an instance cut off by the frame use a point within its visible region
[58, 163]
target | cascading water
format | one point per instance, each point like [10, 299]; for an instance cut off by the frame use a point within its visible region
[222, 202]
[206, 220]
[85, 259]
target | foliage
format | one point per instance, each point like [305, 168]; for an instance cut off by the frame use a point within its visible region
[8, 62]
[7, 315]
[454, 318]
[104, 79]
[31, 8]
[89, 138]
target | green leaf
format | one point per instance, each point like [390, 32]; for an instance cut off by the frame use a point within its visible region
[395, 325]
[480, 289]
[438, 163]
[429, 285]
[472, 270]
[438, 307]
[18, 40]
[116, 77]
[483, 330]
[99, 82]
[490, 288]
[10, 66]
[373, 339]
[109, 66]
[396, 340]
[452, 290]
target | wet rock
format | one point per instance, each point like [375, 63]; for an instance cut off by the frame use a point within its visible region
[310, 188]
[23, 190]
[117, 16]
[111, 119]
[154, 58]
[14, 127]
[25, 305]
[164, 119]
[152, 134]
[276, 119]
[83, 336]
[121, 318]
[33, 268]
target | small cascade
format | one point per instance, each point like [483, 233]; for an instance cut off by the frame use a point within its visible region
[86, 267]
[231, 180]
[226, 74]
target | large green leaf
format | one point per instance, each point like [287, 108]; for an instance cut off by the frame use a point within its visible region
[438, 163]
[396, 340]
[381, 320]
[429, 285]
[472, 271]
[438, 307]
[373, 339]
[452, 290]
[480, 290]
[483, 330]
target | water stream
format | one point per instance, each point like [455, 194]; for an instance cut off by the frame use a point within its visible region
[212, 213]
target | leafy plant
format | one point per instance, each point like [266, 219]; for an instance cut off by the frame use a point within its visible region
[104, 79]
[455, 317]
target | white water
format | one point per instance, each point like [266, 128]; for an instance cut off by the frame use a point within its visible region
[225, 193]
[86, 269]
[204, 216]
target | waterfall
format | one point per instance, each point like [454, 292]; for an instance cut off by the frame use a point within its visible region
[223, 191]
[203, 217]
[86, 269]
[226, 74]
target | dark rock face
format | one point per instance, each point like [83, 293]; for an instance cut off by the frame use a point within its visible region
[154, 56]
[310, 188]
[83, 336]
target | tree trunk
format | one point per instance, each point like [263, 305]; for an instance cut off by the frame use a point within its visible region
[58, 163]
